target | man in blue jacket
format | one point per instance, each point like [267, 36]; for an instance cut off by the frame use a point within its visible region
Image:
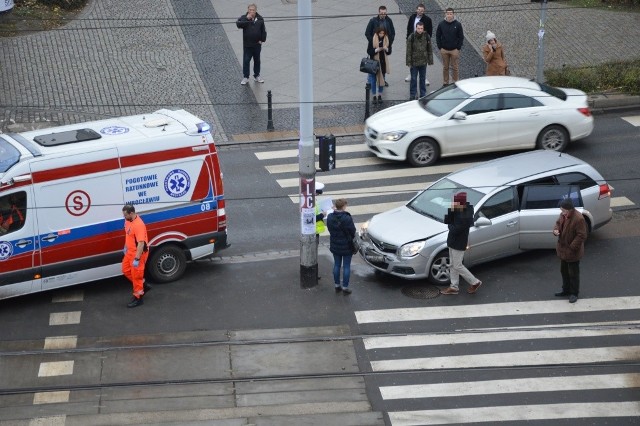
[449, 39]
[254, 34]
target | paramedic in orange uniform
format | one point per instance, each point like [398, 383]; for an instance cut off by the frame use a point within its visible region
[135, 253]
[12, 220]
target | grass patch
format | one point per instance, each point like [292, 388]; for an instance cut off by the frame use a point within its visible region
[616, 76]
[38, 15]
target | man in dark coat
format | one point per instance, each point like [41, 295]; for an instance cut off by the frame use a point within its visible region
[414, 19]
[419, 54]
[381, 21]
[571, 230]
[341, 233]
[254, 34]
[459, 219]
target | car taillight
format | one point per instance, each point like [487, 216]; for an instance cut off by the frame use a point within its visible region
[585, 111]
[605, 191]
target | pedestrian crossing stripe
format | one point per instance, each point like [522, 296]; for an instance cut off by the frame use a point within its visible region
[513, 359]
[497, 309]
[490, 336]
[510, 386]
[514, 413]
[633, 120]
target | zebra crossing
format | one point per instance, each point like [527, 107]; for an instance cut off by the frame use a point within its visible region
[371, 185]
[559, 365]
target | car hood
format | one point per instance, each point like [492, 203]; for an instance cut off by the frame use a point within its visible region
[402, 225]
[406, 116]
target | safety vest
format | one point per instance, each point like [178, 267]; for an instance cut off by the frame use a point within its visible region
[320, 226]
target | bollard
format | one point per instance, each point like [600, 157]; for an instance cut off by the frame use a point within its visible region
[367, 95]
[269, 112]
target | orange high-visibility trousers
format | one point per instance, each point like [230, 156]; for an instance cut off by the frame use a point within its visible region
[133, 274]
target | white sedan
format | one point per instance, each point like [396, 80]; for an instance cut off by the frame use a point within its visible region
[478, 115]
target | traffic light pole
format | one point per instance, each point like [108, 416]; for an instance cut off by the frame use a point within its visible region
[306, 150]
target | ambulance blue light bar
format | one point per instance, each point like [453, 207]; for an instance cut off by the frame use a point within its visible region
[203, 127]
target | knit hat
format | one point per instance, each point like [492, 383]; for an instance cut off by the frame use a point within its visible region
[460, 197]
[319, 187]
[490, 36]
[566, 204]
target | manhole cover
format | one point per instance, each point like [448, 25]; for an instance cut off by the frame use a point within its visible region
[421, 291]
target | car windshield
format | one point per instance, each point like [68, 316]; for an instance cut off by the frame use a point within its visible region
[9, 155]
[435, 201]
[442, 101]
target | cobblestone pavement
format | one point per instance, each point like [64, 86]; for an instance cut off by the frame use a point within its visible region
[133, 56]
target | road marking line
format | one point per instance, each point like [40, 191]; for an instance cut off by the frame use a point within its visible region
[50, 397]
[71, 296]
[61, 342]
[284, 153]
[633, 120]
[621, 202]
[373, 176]
[463, 338]
[56, 368]
[515, 413]
[49, 421]
[64, 318]
[498, 309]
[410, 189]
[512, 359]
[343, 163]
[510, 386]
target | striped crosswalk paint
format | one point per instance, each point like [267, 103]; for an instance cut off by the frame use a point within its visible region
[633, 120]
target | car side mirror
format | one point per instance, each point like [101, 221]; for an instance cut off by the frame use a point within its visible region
[459, 115]
[482, 221]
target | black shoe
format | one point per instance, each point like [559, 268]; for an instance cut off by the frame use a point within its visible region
[136, 301]
[379, 100]
[338, 288]
[374, 100]
[562, 294]
[573, 298]
[386, 84]
[346, 290]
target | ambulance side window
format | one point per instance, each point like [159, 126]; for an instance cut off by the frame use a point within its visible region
[13, 212]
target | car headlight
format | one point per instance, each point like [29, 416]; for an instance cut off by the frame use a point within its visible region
[393, 136]
[362, 232]
[411, 249]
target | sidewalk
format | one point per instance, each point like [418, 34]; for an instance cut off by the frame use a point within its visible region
[161, 56]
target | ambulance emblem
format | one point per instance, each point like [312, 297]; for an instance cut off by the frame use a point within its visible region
[177, 183]
[114, 130]
[6, 250]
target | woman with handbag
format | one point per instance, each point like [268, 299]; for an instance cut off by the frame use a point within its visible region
[341, 233]
[493, 53]
[378, 49]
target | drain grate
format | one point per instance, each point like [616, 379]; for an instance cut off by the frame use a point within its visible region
[421, 291]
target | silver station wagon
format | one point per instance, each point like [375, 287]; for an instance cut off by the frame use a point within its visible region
[515, 202]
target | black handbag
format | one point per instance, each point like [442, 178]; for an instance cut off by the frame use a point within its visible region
[369, 66]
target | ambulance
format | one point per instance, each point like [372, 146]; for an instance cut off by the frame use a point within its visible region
[62, 190]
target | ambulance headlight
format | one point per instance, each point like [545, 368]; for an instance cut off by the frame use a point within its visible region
[203, 127]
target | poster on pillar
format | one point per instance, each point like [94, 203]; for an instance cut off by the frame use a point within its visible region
[307, 207]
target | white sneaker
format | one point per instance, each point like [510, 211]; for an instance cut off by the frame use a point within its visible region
[426, 81]
[259, 79]
[244, 81]
[408, 79]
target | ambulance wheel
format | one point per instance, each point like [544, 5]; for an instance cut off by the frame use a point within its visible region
[166, 263]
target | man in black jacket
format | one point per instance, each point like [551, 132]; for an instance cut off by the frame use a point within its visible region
[381, 21]
[449, 38]
[460, 219]
[419, 16]
[254, 34]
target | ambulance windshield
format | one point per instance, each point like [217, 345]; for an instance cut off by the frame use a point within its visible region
[9, 155]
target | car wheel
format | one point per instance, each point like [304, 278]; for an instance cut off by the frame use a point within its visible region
[553, 138]
[167, 263]
[439, 269]
[423, 152]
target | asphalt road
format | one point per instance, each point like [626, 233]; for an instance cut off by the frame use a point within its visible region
[255, 286]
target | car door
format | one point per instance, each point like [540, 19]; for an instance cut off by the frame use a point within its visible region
[477, 131]
[501, 237]
[539, 212]
[19, 260]
[520, 120]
